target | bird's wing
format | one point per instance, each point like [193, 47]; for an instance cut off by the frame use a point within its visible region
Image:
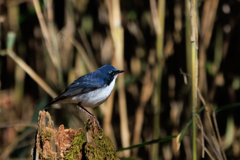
[77, 88]
[80, 86]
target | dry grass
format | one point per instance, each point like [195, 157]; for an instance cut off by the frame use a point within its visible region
[45, 46]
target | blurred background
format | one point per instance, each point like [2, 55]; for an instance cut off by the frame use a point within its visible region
[47, 44]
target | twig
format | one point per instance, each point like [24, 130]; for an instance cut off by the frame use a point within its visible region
[201, 128]
[201, 97]
[210, 144]
[209, 154]
[155, 19]
[185, 75]
[198, 91]
[45, 33]
[218, 135]
[207, 151]
[209, 120]
[83, 54]
[53, 41]
[87, 47]
[31, 73]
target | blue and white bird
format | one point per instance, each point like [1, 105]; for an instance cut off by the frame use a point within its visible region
[90, 90]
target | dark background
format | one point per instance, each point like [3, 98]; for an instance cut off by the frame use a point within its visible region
[21, 97]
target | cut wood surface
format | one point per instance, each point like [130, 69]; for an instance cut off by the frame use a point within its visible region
[69, 144]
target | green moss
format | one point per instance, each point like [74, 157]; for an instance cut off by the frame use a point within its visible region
[45, 135]
[102, 148]
[77, 146]
[48, 134]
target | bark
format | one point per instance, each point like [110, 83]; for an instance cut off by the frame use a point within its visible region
[70, 144]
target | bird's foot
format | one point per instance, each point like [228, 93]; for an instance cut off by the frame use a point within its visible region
[90, 114]
[94, 120]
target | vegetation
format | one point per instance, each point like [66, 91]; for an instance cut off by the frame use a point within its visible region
[177, 99]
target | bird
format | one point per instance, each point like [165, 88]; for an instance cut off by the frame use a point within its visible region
[90, 90]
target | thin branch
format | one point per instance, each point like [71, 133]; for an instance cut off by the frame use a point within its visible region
[155, 17]
[87, 47]
[207, 151]
[209, 120]
[83, 54]
[209, 154]
[31, 73]
[45, 32]
[218, 135]
[201, 128]
[210, 144]
[201, 97]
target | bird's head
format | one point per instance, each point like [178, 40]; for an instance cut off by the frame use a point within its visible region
[109, 70]
[108, 73]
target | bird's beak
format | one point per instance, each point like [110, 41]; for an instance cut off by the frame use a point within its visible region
[119, 71]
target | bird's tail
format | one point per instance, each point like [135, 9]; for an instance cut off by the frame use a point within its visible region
[49, 104]
[54, 101]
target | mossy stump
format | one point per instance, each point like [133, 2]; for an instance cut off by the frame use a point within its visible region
[69, 144]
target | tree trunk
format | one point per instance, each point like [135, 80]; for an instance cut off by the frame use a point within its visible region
[70, 144]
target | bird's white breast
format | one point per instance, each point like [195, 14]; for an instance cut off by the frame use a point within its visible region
[96, 97]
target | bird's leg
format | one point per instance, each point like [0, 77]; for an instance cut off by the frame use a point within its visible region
[88, 113]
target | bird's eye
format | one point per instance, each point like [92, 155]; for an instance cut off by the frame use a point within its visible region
[111, 73]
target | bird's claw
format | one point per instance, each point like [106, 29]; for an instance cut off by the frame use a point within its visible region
[96, 122]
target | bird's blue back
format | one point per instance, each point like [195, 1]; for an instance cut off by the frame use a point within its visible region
[91, 81]
[100, 78]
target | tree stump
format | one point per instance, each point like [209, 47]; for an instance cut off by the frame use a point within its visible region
[69, 144]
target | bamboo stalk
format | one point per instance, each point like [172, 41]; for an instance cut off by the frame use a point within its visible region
[194, 67]
[146, 93]
[158, 16]
[117, 35]
[188, 34]
[107, 126]
[19, 84]
[207, 24]
[125, 134]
